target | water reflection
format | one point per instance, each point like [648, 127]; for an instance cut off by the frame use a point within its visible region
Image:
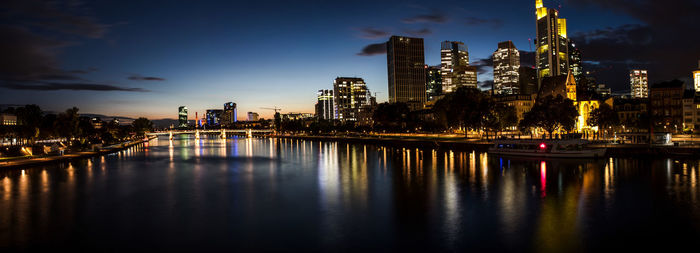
[309, 194]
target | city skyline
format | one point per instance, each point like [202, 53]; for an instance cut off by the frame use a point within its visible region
[137, 64]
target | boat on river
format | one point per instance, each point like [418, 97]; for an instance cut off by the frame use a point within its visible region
[546, 148]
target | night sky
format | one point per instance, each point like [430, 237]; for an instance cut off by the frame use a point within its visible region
[146, 58]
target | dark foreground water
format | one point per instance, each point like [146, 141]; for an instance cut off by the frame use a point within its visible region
[265, 194]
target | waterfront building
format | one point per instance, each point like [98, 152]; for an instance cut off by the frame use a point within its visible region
[96, 123]
[565, 86]
[350, 96]
[527, 80]
[630, 111]
[551, 43]
[325, 108]
[506, 66]
[433, 83]
[522, 103]
[639, 83]
[454, 57]
[230, 114]
[667, 105]
[253, 116]
[213, 117]
[182, 117]
[691, 111]
[7, 119]
[696, 79]
[406, 71]
[297, 116]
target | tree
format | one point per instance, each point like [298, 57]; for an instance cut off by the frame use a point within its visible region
[67, 123]
[604, 117]
[551, 114]
[391, 116]
[500, 117]
[142, 125]
[466, 108]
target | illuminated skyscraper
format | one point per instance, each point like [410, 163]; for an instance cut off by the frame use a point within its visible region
[696, 78]
[575, 62]
[230, 114]
[406, 71]
[453, 57]
[182, 116]
[433, 83]
[506, 63]
[325, 108]
[214, 117]
[551, 54]
[253, 116]
[639, 83]
[351, 94]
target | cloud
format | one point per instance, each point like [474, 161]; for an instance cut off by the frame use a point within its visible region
[495, 23]
[53, 86]
[419, 33]
[435, 17]
[665, 46]
[485, 85]
[67, 17]
[373, 33]
[145, 78]
[373, 49]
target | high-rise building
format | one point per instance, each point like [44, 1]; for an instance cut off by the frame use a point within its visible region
[506, 63]
[351, 94]
[214, 117]
[230, 114]
[406, 71]
[325, 108]
[551, 53]
[639, 83]
[696, 79]
[575, 62]
[253, 116]
[182, 116]
[527, 79]
[433, 83]
[453, 55]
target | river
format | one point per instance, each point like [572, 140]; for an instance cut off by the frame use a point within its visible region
[261, 194]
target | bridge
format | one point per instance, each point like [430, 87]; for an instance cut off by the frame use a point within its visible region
[221, 132]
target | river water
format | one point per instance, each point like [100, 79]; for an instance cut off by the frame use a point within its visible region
[265, 194]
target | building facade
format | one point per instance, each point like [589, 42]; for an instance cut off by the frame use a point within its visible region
[253, 116]
[527, 80]
[551, 43]
[7, 119]
[351, 96]
[506, 65]
[691, 111]
[230, 114]
[406, 71]
[433, 83]
[667, 105]
[182, 117]
[639, 83]
[521, 103]
[630, 110]
[696, 79]
[325, 108]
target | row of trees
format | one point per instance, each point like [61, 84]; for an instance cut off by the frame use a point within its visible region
[33, 124]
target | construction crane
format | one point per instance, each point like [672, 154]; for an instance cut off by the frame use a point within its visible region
[274, 109]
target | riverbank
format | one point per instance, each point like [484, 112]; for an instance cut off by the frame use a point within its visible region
[36, 161]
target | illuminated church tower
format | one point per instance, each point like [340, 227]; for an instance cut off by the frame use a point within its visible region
[551, 54]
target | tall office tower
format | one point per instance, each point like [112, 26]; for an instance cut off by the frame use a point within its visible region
[350, 96]
[406, 71]
[575, 62]
[182, 116]
[324, 105]
[213, 117]
[696, 78]
[639, 83]
[506, 63]
[433, 83]
[230, 114]
[453, 54]
[253, 116]
[527, 79]
[551, 53]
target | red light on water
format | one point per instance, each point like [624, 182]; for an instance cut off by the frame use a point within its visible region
[543, 146]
